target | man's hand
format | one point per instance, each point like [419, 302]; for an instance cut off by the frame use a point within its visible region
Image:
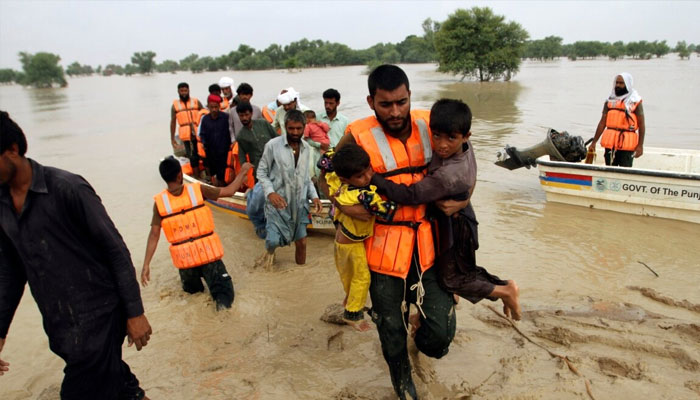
[317, 206]
[638, 151]
[145, 275]
[246, 167]
[139, 331]
[4, 366]
[277, 201]
[591, 148]
[450, 206]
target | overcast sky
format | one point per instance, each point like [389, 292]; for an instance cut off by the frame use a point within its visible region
[104, 32]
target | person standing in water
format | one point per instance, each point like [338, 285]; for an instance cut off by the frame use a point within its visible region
[56, 236]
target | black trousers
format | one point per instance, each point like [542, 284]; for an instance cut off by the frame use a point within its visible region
[622, 158]
[96, 370]
[435, 334]
[218, 281]
[191, 152]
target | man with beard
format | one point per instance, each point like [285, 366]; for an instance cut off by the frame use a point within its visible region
[337, 121]
[185, 111]
[55, 234]
[284, 174]
[622, 124]
[226, 84]
[214, 133]
[399, 145]
[253, 136]
[244, 93]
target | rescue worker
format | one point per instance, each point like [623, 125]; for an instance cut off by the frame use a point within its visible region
[622, 124]
[399, 145]
[185, 111]
[195, 248]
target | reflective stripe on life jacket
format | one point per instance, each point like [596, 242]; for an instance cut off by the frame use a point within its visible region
[390, 249]
[620, 127]
[189, 227]
[187, 117]
[200, 146]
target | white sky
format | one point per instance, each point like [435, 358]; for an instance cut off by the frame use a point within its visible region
[104, 32]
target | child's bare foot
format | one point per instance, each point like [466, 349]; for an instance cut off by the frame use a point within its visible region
[511, 301]
[414, 323]
[345, 300]
[360, 326]
[456, 298]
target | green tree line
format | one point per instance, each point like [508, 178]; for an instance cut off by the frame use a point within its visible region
[471, 42]
[551, 47]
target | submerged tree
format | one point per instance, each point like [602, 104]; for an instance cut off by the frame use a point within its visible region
[143, 61]
[682, 50]
[478, 43]
[41, 70]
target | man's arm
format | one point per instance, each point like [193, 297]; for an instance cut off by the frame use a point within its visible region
[213, 193]
[642, 130]
[87, 207]
[263, 174]
[600, 128]
[151, 245]
[172, 126]
[12, 281]
[88, 210]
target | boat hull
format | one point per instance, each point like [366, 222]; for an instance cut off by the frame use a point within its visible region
[672, 193]
[236, 205]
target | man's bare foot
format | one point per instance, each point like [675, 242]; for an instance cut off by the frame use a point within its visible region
[300, 251]
[414, 323]
[259, 262]
[360, 326]
[269, 261]
[511, 302]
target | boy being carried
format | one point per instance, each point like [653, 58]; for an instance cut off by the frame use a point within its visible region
[452, 174]
[348, 175]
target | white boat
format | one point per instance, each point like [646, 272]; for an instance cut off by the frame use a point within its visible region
[236, 205]
[663, 183]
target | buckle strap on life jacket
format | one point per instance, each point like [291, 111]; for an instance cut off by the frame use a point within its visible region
[191, 239]
[182, 211]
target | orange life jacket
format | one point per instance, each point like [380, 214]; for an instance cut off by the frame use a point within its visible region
[200, 146]
[390, 249]
[223, 106]
[268, 114]
[233, 167]
[620, 127]
[189, 227]
[187, 117]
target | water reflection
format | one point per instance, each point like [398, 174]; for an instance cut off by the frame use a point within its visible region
[51, 99]
[494, 102]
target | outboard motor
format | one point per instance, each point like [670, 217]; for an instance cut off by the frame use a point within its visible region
[560, 146]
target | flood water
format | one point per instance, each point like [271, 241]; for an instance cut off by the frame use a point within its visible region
[113, 131]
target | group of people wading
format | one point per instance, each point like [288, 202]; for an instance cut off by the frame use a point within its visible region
[401, 182]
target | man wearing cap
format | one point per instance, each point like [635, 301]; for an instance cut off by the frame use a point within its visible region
[215, 136]
[288, 100]
[244, 93]
[226, 85]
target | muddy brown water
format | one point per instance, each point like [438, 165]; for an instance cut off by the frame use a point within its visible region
[272, 345]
